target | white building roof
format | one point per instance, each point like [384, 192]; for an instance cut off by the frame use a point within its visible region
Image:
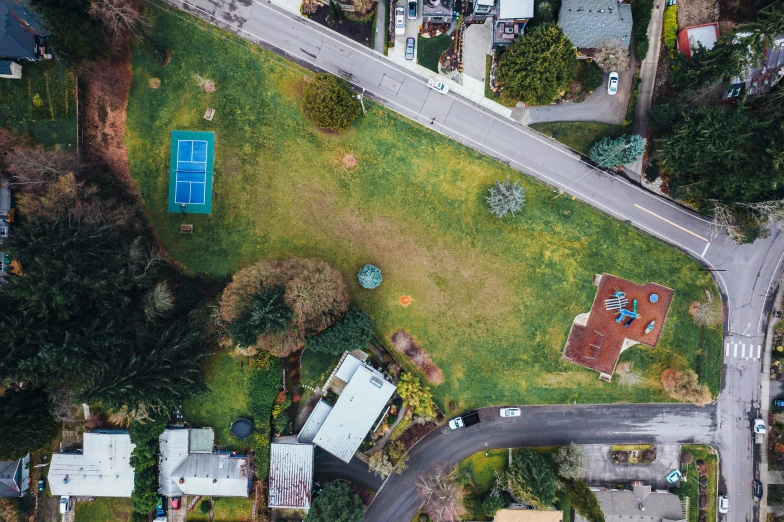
[355, 411]
[347, 368]
[173, 445]
[201, 440]
[213, 475]
[291, 475]
[102, 469]
[314, 422]
[704, 35]
[515, 9]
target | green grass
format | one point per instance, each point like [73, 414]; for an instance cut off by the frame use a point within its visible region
[429, 50]
[42, 104]
[631, 447]
[493, 300]
[103, 509]
[316, 367]
[690, 487]
[579, 135]
[226, 510]
[482, 467]
[566, 506]
[776, 495]
[227, 399]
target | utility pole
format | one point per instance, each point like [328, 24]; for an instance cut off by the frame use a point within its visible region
[361, 101]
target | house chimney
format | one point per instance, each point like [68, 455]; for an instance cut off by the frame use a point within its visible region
[182, 480]
[214, 481]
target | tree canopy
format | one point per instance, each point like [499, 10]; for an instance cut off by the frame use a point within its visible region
[336, 503]
[417, 399]
[267, 313]
[329, 102]
[614, 152]
[531, 479]
[583, 500]
[25, 422]
[505, 198]
[569, 460]
[78, 37]
[353, 332]
[539, 66]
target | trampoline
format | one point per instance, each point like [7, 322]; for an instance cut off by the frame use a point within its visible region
[241, 428]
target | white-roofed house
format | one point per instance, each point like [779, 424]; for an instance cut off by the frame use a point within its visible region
[187, 465]
[291, 477]
[103, 468]
[314, 422]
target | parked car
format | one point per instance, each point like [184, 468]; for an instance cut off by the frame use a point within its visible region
[412, 9]
[437, 86]
[175, 503]
[674, 476]
[612, 85]
[778, 403]
[756, 489]
[409, 48]
[159, 511]
[467, 419]
[41, 484]
[65, 504]
[759, 426]
[724, 503]
[510, 412]
[400, 20]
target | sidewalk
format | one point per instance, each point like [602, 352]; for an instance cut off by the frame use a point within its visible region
[648, 77]
[381, 16]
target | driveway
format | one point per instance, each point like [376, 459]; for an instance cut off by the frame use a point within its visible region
[599, 470]
[477, 43]
[327, 467]
[398, 52]
[599, 106]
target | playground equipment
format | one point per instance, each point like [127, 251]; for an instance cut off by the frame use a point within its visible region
[616, 301]
[654, 298]
[650, 327]
[624, 314]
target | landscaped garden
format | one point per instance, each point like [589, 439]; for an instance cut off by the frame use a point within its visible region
[103, 509]
[578, 135]
[42, 104]
[228, 509]
[699, 465]
[491, 300]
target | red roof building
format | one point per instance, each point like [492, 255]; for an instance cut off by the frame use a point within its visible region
[691, 37]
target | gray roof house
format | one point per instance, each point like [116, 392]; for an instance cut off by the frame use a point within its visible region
[640, 504]
[341, 429]
[291, 476]
[14, 477]
[510, 19]
[22, 38]
[188, 465]
[438, 11]
[589, 22]
[102, 469]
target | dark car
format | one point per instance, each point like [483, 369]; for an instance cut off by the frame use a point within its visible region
[778, 403]
[409, 48]
[175, 503]
[412, 9]
[756, 489]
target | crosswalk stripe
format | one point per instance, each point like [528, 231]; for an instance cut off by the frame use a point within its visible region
[735, 351]
[759, 350]
[743, 352]
[727, 351]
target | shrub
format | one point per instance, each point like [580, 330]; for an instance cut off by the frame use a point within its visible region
[145, 435]
[670, 28]
[204, 506]
[264, 384]
[506, 198]
[641, 50]
[590, 76]
[492, 503]
[329, 102]
[685, 386]
[280, 422]
[662, 118]
[583, 500]
[369, 277]
[353, 332]
[543, 12]
[267, 313]
[613, 152]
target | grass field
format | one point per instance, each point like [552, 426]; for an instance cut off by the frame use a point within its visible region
[226, 510]
[690, 487]
[429, 50]
[42, 104]
[228, 399]
[103, 509]
[579, 135]
[493, 300]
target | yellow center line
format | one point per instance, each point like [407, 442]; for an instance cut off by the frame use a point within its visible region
[671, 223]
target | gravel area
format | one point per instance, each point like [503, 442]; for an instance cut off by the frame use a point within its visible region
[696, 12]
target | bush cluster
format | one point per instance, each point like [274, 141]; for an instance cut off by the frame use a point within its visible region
[590, 76]
[353, 332]
[143, 459]
[329, 102]
[264, 385]
[670, 28]
[641, 15]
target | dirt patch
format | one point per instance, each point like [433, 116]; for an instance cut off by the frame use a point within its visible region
[209, 86]
[349, 161]
[406, 345]
[416, 433]
[154, 83]
[702, 467]
[696, 12]
[669, 377]
[404, 300]
[356, 31]
[231, 167]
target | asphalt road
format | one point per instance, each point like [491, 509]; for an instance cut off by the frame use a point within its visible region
[750, 272]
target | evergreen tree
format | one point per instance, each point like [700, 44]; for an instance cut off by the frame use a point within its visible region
[353, 332]
[336, 503]
[25, 423]
[77, 37]
[531, 479]
[267, 313]
[612, 153]
[329, 102]
[583, 500]
[506, 198]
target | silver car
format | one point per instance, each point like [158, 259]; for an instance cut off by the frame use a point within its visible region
[410, 48]
[400, 20]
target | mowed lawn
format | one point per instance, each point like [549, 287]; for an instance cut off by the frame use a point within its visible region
[42, 104]
[103, 509]
[493, 300]
[579, 135]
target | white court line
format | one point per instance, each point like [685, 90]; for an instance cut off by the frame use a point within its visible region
[727, 350]
[387, 63]
[735, 352]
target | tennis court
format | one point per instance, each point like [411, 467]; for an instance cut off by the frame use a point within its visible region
[190, 172]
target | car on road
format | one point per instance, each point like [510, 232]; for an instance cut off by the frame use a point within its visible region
[400, 20]
[724, 503]
[759, 426]
[510, 412]
[412, 9]
[409, 48]
[175, 503]
[673, 476]
[465, 420]
[65, 504]
[41, 484]
[756, 489]
[778, 403]
[437, 86]
[612, 84]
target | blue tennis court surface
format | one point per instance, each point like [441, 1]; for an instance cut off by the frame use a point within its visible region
[190, 179]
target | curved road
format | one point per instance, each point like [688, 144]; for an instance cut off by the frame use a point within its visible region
[747, 283]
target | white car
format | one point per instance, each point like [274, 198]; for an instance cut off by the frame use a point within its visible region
[510, 412]
[437, 86]
[65, 504]
[400, 20]
[612, 85]
[724, 503]
[759, 426]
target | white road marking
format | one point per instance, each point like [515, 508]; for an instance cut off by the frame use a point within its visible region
[703, 252]
[743, 350]
[735, 351]
[759, 351]
[727, 351]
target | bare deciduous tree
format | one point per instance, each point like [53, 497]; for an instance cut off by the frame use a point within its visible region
[144, 257]
[724, 220]
[159, 301]
[34, 167]
[61, 405]
[122, 19]
[441, 494]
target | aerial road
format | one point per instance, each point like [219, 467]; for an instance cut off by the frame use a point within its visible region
[748, 277]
